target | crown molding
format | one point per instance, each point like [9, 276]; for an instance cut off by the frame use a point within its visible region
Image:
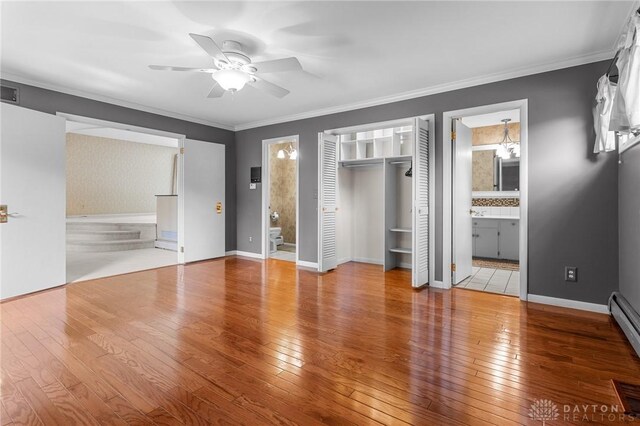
[432, 90]
[113, 101]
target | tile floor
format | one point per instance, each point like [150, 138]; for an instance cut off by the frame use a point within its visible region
[493, 280]
[88, 266]
[284, 255]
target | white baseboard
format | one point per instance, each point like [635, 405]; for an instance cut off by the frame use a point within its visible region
[367, 260]
[245, 254]
[566, 303]
[436, 284]
[167, 245]
[312, 265]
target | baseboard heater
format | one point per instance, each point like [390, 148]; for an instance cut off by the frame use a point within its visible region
[627, 318]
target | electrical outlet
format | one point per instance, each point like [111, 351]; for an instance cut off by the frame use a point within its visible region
[250, 239]
[571, 273]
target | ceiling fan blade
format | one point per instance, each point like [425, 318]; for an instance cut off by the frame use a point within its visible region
[170, 68]
[216, 92]
[210, 46]
[278, 65]
[270, 88]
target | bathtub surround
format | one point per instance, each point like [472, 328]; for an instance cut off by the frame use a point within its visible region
[282, 189]
[111, 176]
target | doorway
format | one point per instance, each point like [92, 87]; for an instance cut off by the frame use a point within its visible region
[280, 198]
[486, 200]
[122, 201]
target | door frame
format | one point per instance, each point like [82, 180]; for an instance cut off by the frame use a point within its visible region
[447, 186]
[266, 196]
[180, 184]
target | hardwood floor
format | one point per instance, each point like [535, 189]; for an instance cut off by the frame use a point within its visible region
[239, 341]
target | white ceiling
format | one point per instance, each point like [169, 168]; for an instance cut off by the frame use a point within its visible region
[355, 53]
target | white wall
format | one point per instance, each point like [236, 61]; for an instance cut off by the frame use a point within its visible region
[360, 223]
[111, 176]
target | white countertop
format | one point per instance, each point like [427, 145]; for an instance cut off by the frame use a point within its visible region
[488, 216]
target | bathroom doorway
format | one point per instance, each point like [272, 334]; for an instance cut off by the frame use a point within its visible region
[280, 198]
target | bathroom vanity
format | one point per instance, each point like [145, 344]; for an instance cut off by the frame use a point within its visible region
[496, 237]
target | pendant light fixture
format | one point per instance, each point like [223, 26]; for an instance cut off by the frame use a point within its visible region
[508, 148]
[290, 151]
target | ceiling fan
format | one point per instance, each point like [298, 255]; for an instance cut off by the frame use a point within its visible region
[233, 69]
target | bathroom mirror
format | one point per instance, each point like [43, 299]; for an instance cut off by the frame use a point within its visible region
[493, 173]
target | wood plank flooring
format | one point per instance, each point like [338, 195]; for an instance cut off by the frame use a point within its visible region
[239, 341]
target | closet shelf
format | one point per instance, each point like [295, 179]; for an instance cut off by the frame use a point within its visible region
[400, 230]
[361, 162]
[400, 250]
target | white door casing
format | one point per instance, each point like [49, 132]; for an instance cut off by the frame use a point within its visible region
[421, 197]
[462, 231]
[203, 173]
[33, 185]
[327, 201]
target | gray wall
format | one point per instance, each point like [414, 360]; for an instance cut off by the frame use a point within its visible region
[629, 196]
[52, 102]
[573, 214]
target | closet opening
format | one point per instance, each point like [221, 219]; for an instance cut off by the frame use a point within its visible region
[376, 197]
[486, 208]
[280, 198]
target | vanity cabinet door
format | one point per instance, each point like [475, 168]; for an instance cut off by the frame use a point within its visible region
[486, 242]
[509, 239]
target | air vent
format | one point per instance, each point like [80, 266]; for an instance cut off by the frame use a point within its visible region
[10, 94]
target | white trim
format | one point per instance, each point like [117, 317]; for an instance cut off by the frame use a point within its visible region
[113, 101]
[567, 303]
[440, 88]
[245, 254]
[305, 264]
[266, 196]
[368, 260]
[437, 284]
[447, 184]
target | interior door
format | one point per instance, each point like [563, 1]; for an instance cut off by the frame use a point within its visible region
[328, 202]
[204, 197]
[462, 238]
[33, 186]
[420, 211]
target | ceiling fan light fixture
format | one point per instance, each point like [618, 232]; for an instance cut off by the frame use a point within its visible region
[231, 79]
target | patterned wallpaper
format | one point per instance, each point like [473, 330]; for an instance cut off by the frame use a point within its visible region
[488, 135]
[111, 176]
[483, 160]
[282, 180]
[482, 164]
[496, 202]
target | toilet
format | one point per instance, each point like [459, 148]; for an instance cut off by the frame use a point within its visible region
[275, 238]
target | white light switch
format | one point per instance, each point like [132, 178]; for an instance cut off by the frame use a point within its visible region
[252, 186]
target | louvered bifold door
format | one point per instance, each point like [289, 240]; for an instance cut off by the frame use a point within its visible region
[328, 196]
[421, 173]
